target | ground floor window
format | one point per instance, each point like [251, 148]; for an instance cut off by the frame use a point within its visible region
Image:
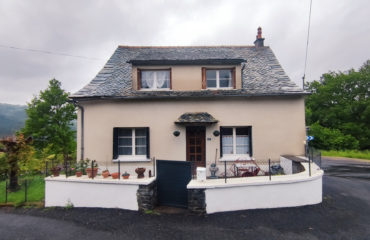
[236, 141]
[131, 143]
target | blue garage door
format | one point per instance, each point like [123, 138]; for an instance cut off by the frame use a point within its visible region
[172, 178]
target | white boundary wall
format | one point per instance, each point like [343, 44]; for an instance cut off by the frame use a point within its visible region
[98, 192]
[258, 192]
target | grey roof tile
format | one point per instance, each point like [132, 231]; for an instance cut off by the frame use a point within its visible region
[262, 74]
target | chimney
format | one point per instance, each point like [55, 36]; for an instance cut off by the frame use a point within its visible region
[259, 39]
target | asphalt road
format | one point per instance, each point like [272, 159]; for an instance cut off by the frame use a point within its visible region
[343, 214]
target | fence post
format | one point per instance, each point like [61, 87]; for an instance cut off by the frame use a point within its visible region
[92, 169]
[269, 169]
[46, 168]
[119, 169]
[225, 172]
[25, 190]
[6, 191]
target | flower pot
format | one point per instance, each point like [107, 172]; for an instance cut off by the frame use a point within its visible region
[126, 176]
[115, 175]
[55, 173]
[105, 173]
[140, 172]
[91, 173]
[78, 174]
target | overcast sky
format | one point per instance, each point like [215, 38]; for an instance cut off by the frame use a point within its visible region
[339, 37]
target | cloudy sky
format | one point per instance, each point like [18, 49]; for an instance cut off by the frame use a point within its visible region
[92, 29]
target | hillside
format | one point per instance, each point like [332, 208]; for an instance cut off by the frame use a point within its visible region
[12, 118]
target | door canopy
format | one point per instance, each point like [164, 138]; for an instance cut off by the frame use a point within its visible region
[196, 118]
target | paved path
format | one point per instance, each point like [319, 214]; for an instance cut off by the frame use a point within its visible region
[344, 214]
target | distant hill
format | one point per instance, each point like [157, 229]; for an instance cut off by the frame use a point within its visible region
[12, 118]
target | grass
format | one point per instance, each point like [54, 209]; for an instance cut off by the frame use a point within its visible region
[35, 191]
[347, 153]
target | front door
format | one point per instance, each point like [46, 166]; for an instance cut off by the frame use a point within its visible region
[196, 146]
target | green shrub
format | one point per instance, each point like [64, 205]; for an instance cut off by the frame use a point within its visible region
[331, 139]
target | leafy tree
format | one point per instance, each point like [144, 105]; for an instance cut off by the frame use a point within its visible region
[50, 117]
[341, 101]
[17, 150]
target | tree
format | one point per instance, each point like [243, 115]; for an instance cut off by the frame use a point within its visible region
[50, 117]
[340, 102]
[17, 150]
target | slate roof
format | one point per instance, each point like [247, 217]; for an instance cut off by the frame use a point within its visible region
[196, 117]
[262, 75]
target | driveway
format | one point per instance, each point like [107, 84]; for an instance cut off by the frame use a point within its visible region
[343, 214]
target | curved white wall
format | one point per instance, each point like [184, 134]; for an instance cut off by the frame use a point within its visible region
[258, 192]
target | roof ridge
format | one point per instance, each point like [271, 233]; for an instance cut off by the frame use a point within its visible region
[195, 46]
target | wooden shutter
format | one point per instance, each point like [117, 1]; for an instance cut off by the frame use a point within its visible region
[221, 133]
[204, 78]
[115, 143]
[147, 143]
[250, 142]
[138, 79]
[233, 72]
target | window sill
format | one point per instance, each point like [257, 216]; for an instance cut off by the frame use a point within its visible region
[131, 159]
[232, 158]
[154, 90]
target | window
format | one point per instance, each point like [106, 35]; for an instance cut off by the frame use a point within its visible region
[131, 143]
[236, 141]
[218, 78]
[154, 79]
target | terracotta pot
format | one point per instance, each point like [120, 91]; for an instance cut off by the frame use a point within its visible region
[90, 173]
[78, 174]
[55, 173]
[140, 172]
[125, 176]
[105, 173]
[115, 175]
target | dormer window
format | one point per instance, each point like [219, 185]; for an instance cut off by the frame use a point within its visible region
[218, 78]
[154, 79]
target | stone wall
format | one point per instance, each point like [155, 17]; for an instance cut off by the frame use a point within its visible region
[147, 196]
[197, 201]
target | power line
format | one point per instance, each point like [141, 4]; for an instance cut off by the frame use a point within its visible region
[308, 37]
[50, 52]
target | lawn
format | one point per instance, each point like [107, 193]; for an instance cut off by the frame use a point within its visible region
[35, 190]
[347, 153]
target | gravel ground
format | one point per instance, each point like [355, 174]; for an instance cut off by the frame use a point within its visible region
[344, 214]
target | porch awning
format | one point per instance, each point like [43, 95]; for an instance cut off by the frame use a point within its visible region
[196, 118]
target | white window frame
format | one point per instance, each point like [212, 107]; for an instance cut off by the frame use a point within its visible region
[218, 79]
[154, 89]
[234, 156]
[133, 156]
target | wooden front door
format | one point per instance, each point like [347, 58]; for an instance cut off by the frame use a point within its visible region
[196, 146]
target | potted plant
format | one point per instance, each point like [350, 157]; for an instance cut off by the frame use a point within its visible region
[56, 170]
[140, 172]
[125, 175]
[81, 168]
[105, 173]
[91, 172]
[115, 175]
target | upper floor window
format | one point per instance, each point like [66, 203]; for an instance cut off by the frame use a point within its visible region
[154, 79]
[218, 78]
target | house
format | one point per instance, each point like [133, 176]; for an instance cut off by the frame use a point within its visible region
[190, 103]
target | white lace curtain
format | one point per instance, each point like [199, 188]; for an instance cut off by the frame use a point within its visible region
[155, 79]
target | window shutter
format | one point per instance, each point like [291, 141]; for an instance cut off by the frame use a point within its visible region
[250, 142]
[233, 71]
[221, 132]
[204, 79]
[115, 143]
[138, 79]
[147, 143]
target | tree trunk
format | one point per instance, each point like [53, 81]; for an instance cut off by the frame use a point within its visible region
[13, 185]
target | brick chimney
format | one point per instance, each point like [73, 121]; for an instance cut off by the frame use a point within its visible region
[259, 39]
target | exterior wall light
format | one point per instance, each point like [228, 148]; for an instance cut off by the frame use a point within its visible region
[216, 133]
[176, 133]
